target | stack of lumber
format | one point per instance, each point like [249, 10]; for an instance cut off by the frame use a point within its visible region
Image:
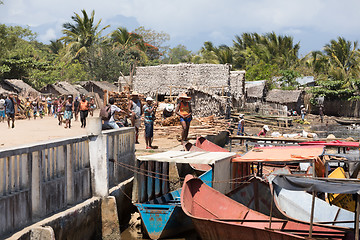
[199, 127]
[121, 100]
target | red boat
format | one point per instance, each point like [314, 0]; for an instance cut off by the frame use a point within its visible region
[216, 216]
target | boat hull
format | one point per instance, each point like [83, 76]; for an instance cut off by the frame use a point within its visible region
[163, 217]
[216, 216]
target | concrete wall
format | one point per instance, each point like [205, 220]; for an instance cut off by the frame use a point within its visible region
[40, 179]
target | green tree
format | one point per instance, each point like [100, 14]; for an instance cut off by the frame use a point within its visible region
[81, 35]
[154, 38]
[178, 54]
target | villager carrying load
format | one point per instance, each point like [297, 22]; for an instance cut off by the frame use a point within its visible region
[183, 110]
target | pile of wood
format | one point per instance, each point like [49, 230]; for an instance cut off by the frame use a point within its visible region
[171, 121]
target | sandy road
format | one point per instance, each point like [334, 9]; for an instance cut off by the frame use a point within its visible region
[32, 131]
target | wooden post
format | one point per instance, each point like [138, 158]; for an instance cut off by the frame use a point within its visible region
[312, 204]
[170, 94]
[272, 203]
[312, 214]
[357, 217]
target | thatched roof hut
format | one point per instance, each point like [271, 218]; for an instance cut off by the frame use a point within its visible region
[75, 90]
[54, 90]
[290, 98]
[255, 90]
[24, 88]
[174, 78]
[99, 87]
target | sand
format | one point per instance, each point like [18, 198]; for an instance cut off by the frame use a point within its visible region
[33, 131]
[39, 130]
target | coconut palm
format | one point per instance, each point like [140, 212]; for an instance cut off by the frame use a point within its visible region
[268, 48]
[344, 59]
[81, 35]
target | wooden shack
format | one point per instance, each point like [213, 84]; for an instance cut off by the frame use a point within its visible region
[99, 87]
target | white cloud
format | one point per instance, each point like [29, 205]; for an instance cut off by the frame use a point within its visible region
[198, 19]
[49, 35]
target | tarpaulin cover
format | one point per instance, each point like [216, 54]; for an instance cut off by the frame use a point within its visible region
[281, 154]
[335, 143]
[329, 185]
[187, 157]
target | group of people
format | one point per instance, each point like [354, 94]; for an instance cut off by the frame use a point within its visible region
[67, 109]
[137, 111]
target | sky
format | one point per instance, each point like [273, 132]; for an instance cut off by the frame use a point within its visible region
[313, 23]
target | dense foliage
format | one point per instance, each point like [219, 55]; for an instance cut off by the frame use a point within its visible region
[83, 53]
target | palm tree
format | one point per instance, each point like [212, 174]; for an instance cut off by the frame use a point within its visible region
[55, 46]
[268, 48]
[131, 46]
[81, 35]
[344, 59]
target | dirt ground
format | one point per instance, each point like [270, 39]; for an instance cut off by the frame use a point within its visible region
[39, 130]
[32, 131]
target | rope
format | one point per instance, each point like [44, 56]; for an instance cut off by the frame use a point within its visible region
[143, 172]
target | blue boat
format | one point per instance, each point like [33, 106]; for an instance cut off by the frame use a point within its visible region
[163, 217]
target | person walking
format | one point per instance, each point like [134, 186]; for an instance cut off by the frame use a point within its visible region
[302, 112]
[2, 108]
[10, 110]
[149, 112]
[34, 106]
[76, 108]
[49, 103]
[135, 108]
[84, 110]
[68, 113]
[321, 113]
[183, 109]
[60, 110]
[92, 106]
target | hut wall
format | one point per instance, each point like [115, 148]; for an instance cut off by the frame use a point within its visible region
[204, 104]
[158, 79]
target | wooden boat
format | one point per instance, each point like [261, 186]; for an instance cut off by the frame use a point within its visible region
[296, 205]
[224, 218]
[162, 217]
[347, 121]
